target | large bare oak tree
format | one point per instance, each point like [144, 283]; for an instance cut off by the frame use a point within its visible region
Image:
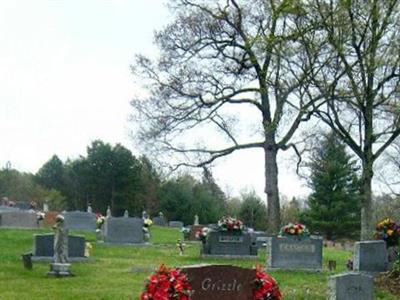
[218, 59]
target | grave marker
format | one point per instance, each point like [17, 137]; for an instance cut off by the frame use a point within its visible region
[123, 230]
[80, 220]
[370, 256]
[295, 253]
[18, 219]
[350, 286]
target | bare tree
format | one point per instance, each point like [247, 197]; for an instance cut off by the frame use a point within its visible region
[220, 61]
[360, 80]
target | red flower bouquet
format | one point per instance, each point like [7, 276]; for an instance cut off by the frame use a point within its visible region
[230, 224]
[265, 287]
[167, 284]
[294, 229]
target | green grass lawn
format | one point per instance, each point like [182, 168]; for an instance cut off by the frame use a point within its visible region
[119, 272]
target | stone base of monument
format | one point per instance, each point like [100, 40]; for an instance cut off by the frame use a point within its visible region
[60, 270]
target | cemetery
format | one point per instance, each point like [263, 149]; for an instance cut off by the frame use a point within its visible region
[259, 158]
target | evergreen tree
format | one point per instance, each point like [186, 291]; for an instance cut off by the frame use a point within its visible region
[334, 205]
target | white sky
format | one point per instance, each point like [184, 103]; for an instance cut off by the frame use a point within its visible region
[65, 81]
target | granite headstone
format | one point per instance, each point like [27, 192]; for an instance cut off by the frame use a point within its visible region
[295, 253]
[43, 246]
[220, 282]
[18, 219]
[175, 224]
[80, 220]
[159, 221]
[226, 243]
[350, 286]
[370, 256]
[123, 230]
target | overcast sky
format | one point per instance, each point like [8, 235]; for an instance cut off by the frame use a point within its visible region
[65, 81]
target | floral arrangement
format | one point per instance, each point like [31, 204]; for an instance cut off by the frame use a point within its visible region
[167, 284]
[265, 287]
[230, 224]
[389, 231]
[100, 219]
[296, 229]
[201, 234]
[147, 222]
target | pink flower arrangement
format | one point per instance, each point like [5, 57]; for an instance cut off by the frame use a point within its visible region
[167, 284]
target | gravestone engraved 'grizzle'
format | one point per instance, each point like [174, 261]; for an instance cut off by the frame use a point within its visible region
[350, 286]
[80, 220]
[295, 253]
[123, 230]
[220, 282]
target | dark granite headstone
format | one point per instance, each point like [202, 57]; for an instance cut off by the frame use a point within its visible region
[159, 221]
[80, 220]
[227, 243]
[123, 230]
[350, 286]
[220, 282]
[175, 224]
[43, 246]
[295, 253]
[18, 219]
[370, 256]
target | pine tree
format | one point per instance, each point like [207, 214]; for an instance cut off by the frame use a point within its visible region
[334, 205]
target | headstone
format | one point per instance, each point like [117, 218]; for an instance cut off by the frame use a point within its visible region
[220, 282]
[5, 208]
[159, 221]
[89, 209]
[350, 286]
[123, 231]
[370, 256]
[295, 253]
[196, 220]
[43, 247]
[79, 220]
[126, 214]
[225, 243]
[260, 238]
[175, 224]
[18, 219]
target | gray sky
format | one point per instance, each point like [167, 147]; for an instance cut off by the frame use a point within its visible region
[65, 81]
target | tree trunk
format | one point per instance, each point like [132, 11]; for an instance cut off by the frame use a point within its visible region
[366, 202]
[271, 189]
